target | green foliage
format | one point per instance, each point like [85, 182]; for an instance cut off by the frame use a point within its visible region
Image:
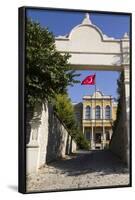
[65, 110]
[80, 139]
[47, 71]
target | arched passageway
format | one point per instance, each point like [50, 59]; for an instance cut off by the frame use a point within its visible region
[90, 49]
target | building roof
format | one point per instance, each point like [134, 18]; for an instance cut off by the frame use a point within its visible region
[98, 95]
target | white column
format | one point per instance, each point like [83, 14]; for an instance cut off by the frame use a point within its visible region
[125, 46]
[34, 133]
[127, 102]
[104, 137]
[110, 134]
[92, 139]
[33, 147]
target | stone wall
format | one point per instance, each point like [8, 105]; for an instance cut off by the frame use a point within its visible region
[48, 139]
[118, 144]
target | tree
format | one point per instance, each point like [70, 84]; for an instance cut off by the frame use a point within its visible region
[48, 74]
[119, 100]
[47, 71]
[65, 110]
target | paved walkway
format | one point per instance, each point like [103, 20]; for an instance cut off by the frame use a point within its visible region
[81, 170]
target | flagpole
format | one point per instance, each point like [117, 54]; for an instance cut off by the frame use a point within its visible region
[91, 80]
[95, 107]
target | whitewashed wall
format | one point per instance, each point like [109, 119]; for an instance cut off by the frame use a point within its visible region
[49, 139]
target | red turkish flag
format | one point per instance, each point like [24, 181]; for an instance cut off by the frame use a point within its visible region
[89, 80]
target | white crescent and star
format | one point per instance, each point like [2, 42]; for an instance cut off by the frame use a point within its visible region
[90, 80]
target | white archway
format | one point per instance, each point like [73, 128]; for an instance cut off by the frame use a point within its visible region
[91, 49]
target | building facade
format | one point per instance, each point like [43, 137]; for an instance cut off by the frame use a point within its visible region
[99, 113]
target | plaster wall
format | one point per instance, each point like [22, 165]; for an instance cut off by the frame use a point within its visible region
[49, 140]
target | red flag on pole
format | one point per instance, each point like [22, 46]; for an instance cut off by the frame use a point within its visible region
[89, 80]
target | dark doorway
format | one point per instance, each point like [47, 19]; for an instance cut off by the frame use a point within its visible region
[98, 138]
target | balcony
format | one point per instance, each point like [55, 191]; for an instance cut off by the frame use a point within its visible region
[98, 122]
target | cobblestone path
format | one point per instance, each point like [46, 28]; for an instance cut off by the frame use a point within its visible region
[80, 170]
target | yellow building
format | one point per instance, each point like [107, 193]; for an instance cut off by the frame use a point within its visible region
[99, 113]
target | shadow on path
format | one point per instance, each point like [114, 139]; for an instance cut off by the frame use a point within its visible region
[83, 162]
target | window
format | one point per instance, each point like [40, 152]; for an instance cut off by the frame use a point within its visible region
[108, 112]
[97, 112]
[87, 112]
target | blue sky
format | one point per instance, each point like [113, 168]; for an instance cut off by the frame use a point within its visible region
[61, 23]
